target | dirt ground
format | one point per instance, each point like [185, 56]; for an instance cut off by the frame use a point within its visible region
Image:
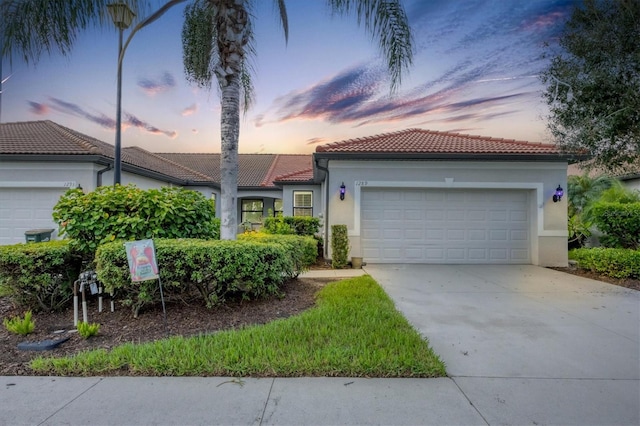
[120, 327]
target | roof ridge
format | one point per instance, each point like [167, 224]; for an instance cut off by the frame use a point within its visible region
[265, 179]
[76, 138]
[173, 163]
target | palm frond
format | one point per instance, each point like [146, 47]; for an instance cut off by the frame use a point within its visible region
[387, 22]
[33, 27]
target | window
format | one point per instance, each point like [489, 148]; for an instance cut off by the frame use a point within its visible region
[302, 203]
[252, 211]
[277, 207]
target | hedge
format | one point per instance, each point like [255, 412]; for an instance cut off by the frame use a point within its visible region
[39, 276]
[303, 250]
[339, 246]
[616, 263]
[190, 269]
[620, 222]
[128, 213]
[298, 225]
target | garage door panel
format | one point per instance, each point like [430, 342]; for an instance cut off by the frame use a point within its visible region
[445, 226]
[24, 209]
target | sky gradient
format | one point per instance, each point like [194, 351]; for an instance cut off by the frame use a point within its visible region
[475, 71]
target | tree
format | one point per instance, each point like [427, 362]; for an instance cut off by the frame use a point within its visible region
[593, 83]
[217, 37]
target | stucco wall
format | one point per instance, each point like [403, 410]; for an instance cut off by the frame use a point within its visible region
[540, 179]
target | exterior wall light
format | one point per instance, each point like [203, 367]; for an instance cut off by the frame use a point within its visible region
[558, 195]
[343, 190]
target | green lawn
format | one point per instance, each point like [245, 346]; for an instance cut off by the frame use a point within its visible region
[353, 331]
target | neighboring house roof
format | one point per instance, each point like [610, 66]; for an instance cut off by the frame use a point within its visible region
[302, 176]
[49, 141]
[47, 137]
[629, 172]
[435, 144]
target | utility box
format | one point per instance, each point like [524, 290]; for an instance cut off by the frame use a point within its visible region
[38, 235]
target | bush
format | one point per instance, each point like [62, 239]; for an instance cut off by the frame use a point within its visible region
[39, 276]
[619, 222]
[127, 213]
[339, 246]
[197, 269]
[616, 263]
[302, 250]
[298, 225]
[87, 330]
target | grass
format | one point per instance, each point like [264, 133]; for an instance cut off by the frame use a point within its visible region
[353, 331]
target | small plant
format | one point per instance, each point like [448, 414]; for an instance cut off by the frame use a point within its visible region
[22, 326]
[87, 330]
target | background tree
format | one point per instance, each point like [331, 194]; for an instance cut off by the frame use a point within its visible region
[593, 83]
[216, 37]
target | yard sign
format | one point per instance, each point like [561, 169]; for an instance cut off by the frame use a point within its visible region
[141, 256]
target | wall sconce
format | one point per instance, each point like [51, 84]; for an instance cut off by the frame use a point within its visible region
[343, 189]
[558, 195]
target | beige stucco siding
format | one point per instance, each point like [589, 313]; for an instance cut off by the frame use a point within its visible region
[548, 220]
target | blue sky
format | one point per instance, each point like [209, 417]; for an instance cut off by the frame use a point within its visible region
[475, 71]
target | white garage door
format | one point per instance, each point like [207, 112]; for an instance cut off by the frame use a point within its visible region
[445, 226]
[23, 209]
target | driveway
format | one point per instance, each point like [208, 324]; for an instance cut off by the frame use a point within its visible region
[527, 344]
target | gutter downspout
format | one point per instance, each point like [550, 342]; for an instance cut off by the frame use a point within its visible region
[99, 175]
[326, 207]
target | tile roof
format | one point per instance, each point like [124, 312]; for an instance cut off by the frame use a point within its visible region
[287, 164]
[300, 176]
[153, 162]
[47, 137]
[429, 142]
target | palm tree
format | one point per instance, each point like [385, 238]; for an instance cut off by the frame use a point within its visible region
[217, 41]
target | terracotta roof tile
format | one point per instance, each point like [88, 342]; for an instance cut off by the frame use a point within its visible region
[427, 141]
[285, 164]
[153, 162]
[47, 137]
[305, 175]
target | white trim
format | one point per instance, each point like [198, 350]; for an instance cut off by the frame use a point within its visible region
[67, 184]
[449, 183]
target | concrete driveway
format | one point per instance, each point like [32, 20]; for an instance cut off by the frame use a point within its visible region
[525, 344]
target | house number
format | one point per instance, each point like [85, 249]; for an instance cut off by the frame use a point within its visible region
[70, 184]
[361, 183]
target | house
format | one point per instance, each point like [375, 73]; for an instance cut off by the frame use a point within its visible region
[629, 176]
[413, 196]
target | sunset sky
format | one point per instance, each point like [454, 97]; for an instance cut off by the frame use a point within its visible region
[475, 71]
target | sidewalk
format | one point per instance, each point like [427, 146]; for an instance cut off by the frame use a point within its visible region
[333, 273]
[229, 401]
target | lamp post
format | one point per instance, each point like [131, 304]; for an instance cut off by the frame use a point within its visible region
[122, 16]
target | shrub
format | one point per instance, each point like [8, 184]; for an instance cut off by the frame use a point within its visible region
[339, 246]
[39, 276]
[303, 251]
[616, 263]
[197, 269]
[298, 225]
[87, 330]
[22, 326]
[620, 222]
[127, 213]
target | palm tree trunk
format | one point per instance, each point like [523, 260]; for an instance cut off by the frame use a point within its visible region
[230, 130]
[232, 38]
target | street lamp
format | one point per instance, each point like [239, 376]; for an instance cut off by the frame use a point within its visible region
[122, 16]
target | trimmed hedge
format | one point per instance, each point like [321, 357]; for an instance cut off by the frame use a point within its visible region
[616, 263]
[303, 250]
[339, 246]
[39, 276]
[298, 225]
[205, 270]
